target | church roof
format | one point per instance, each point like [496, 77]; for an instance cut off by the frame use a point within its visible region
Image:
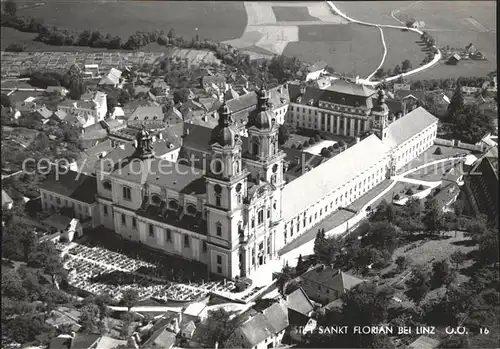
[304, 191]
[406, 127]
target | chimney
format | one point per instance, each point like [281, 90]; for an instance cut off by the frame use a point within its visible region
[160, 136]
[187, 132]
[404, 107]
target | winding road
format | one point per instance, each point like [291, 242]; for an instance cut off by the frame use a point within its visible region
[436, 59]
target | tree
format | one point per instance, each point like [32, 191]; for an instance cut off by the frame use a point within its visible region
[418, 285]
[382, 236]
[440, 274]
[317, 138]
[171, 33]
[401, 263]
[311, 141]
[366, 304]
[111, 104]
[457, 258]
[220, 326]
[89, 318]
[10, 7]
[433, 218]
[284, 278]
[397, 69]
[5, 101]
[129, 298]
[127, 319]
[284, 133]
[457, 103]
[406, 65]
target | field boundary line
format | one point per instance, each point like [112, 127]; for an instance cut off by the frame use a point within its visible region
[435, 60]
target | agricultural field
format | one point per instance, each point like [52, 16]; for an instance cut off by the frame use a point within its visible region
[216, 20]
[361, 54]
[402, 45]
[377, 12]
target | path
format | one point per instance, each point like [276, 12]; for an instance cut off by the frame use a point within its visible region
[436, 59]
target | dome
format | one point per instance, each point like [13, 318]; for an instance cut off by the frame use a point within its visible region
[225, 133]
[224, 136]
[262, 117]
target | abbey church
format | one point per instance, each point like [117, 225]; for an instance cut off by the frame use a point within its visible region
[237, 210]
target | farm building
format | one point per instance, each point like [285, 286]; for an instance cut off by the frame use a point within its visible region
[417, 25]
[316, 70]
[470, 49]
[454, 59]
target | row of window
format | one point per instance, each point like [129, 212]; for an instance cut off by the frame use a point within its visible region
[59, 202]
[355, 192]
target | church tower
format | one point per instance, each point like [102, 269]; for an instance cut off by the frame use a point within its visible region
[380, 115]
[264, 159]
[226, 184]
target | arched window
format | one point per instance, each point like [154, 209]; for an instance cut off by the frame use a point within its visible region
[156, 199]
[255, 148]
[155, 118]
[238, 187]
[106, 185]
[191, 209]
[127, 193]
[146, 118]
[173, 204]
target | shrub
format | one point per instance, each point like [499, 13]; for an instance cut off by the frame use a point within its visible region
[420, 187]
[311, 141]
[335, 146]
[409, 192]
[330, 148]
[396, 197]
[317, 138]
[438, 151]
[293, 146]
[341, 143]
[306, 144]
[300, 147]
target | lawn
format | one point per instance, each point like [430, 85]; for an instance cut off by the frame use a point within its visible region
[216, 20]
[402, 45]
[435, 250]
[363, 200]
[377, 12]
[429, 156]
[361, 55]
[432, 173]
[292, 14]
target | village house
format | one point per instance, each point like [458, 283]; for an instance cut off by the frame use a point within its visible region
[162, 87]
[86, 112]
[91, 71]
[218, 80]
[315, 71]
[324, 284]
[454, 59]
[417, 25]
[112, 78]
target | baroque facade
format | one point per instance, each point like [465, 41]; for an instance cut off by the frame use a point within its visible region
[236, 213]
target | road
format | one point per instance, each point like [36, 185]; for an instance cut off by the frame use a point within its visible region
[435, 60]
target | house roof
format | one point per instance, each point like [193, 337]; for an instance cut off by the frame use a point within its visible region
[58, 221]
[317, 66]
[403, 94]
[6, 199]
[74, 185]
[106, 342]
[308, 188]
[61, 114]
[340, 92]
[147, 113]
[172, 116]
[298, 301]
[44, 112]
[263, 325]
[81, 341]
[217, 79]
[111, 78]
[408, 126]
[332, 278]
